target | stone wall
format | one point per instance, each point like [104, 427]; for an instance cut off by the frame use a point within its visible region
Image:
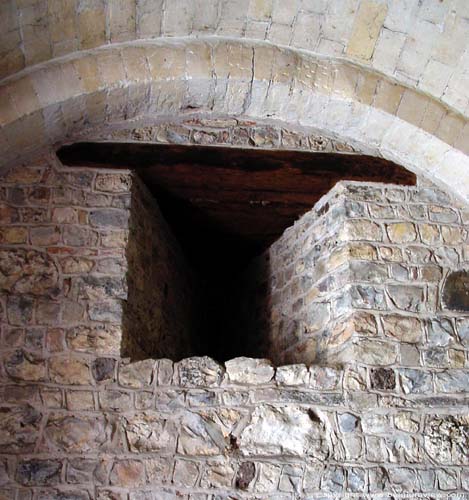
[362, 278]
[80, 420]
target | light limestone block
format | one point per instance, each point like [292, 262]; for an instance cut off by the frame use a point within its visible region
[366, 27]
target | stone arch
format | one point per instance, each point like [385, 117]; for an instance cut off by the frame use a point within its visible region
[51, 104]
[419, 43]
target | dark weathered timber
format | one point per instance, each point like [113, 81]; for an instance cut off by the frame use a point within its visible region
[237, 193]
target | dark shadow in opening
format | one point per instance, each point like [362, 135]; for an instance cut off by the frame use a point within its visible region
[219, 208]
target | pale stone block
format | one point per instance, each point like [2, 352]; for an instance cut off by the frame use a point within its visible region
[72, 79]
[167, 63]
[412, 107]
[284, 12]
[35, 33]
[315, 111]
[92, 27]
[73, 113]
[198, 61]
[256, 29]
[249, 371]
[13, 60]
[177, 19]
[263, 62]
[23, 95]
[234, 61]
[111, 68]
[331, 47]
[205, 16]
[233, 17]
[307, 31]
[27, 133]
[336, 24]
[399, 140]
[452, 42]
[305, 76]
[149, 17]
[284, 67]
[122, 16]
[432, 117]
[376, 124]
[462, 142]
[450, 127]
[366, 87]
[54, 125]
[433, 12]
[87, 69]
[279, 34]
[435, 77]
[260, 10]
[388, 96]
[387, 50]
[276, 101]
[345, 81]
[324, 77]
[8, 110]
[50, 85]
[366, 27]
[456, 92]
[96, 107]
[416, 51]
[136, 64]
[427, 150]
[62, 20]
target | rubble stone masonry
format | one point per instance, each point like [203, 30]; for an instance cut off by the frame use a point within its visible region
[367, 294]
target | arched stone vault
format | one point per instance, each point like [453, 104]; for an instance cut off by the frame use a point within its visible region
[423, 44]
[52, 103]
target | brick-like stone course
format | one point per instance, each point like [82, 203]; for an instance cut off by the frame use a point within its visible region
[80, 420]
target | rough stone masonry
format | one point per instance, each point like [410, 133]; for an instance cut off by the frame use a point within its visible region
[368, 329]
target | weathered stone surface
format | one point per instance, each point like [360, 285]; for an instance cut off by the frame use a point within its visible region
[95, 339]
[383, 379]
[69, 370]
[149, 432]
[288, 430]
[292, 375]
[407, 298]
[455, 381]
[128, 473]
[403, 328]
[113, 183]
[401, 232]
[446, 438]
[375, 352]
[38, 472]
[249, 371]
[441, 332]
[137, 375]
[103, 369]
[245, 474]
[202, 434]
[199, 371]
[28, 272]
[19, 428]
[348, 422]
[76, 434]
[109, 218]
[416, 381]
[186, 473]
[23, 366]
[456, 291]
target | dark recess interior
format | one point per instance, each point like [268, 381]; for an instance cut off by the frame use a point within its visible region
[228, 205]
